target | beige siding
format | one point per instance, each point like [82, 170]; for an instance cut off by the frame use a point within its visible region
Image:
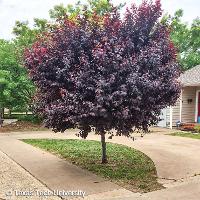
[188, 109]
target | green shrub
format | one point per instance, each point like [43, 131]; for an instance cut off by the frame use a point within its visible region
[13, 116]
[30, 118]
[197, 128]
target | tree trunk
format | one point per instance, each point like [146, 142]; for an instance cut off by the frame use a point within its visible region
[3, 112]
[1, 117]
[9, 113]
[103, 143]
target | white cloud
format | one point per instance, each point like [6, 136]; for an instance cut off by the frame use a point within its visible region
[12, 10]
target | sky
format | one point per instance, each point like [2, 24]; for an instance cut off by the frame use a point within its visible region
[12, 10]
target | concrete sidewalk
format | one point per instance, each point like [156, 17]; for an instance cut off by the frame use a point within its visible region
[175, 157]
[52, 171]
[184, 191]
[14, 179]
[177, 161]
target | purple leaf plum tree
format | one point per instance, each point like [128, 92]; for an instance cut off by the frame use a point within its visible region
[105, 72]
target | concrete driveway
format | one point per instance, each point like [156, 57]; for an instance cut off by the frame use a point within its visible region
[175, 157]
[177, 160]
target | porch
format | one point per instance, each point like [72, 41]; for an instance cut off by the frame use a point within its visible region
[187, 108]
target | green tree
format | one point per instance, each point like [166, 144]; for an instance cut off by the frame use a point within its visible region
[25, 36]
[100, 7]
[23, 88]
[186, 38]
[16, 89]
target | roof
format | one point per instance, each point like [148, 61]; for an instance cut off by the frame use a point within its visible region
[191, 77]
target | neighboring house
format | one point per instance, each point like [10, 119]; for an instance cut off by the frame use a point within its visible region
[187, 108]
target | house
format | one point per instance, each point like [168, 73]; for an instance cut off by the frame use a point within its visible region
[187, 108]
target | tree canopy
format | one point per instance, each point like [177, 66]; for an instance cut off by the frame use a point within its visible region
[16, 87]
[17, 90]
[13, 76]
[104, 72]
[186, 38]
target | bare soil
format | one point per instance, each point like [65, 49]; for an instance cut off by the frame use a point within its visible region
[22, 126]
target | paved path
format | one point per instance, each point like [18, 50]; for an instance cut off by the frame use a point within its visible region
[54, 172]
[13, 179]
[175, 157]
[182, 191]
[177, 161]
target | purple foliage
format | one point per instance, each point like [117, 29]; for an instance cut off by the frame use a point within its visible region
[107, 73]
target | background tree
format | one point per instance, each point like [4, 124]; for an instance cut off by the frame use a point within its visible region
[186, 38]
[100, 7]
[16, 88]
[105, 73]
[26, 36]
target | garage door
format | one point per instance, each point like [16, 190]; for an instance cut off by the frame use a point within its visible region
[163, 117]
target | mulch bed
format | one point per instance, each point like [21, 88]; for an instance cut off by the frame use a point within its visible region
[22, 126]
[187, 127]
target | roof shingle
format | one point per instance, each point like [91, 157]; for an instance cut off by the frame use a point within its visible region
[191, 77]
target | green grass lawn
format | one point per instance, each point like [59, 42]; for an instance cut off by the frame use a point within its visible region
[127, 167]
[186, 134]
